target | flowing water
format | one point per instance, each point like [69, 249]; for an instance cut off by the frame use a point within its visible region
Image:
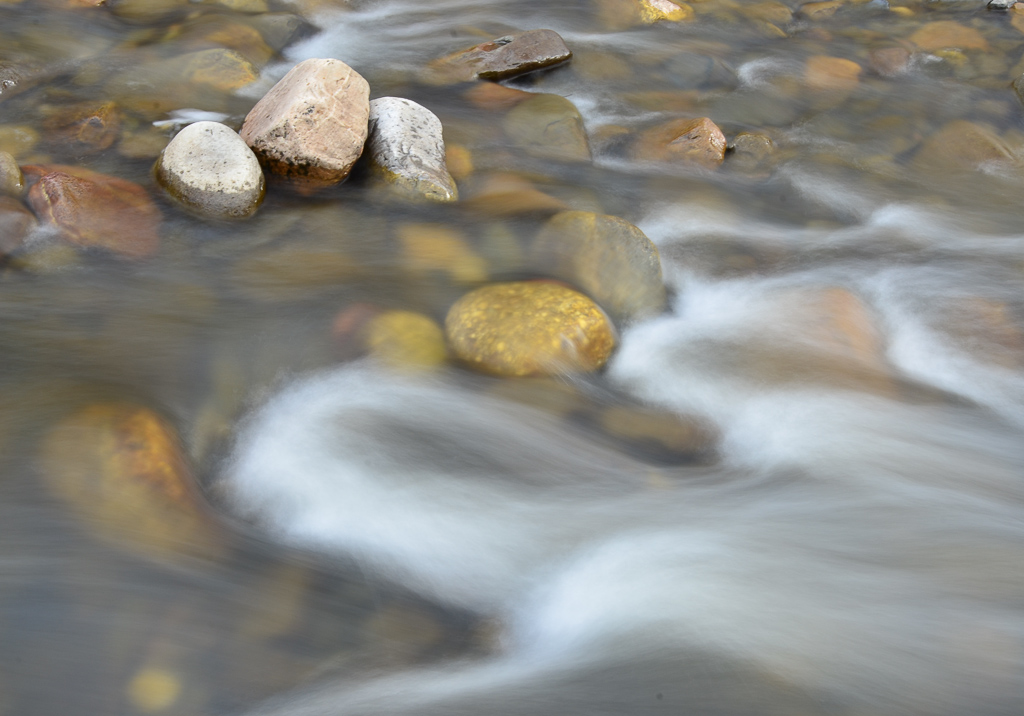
[799, 490]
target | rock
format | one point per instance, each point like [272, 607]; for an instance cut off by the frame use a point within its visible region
[213, 31]
[820, 10]
[459, 160]
[1001, 5]
[15, 224]
[405, 148]
[685, 141]
[529, 328]
[500, 58]
[146, 142]
[1018, 88]
[890, 61]
[120, 467]
[610, 259]
[751, 151]
[12, 181]
[146, 10]
[495, 97]
[253, 6]
[87, 127]
[209, 169]
[652, 11]
[770, 11]
[510, 195]
[224, 70]
[666, 435]
[90, 209]
[406, 340]
[436, 248]
[311, 126]
[292, 271]
[549, 127]
[280, 29]
[18, 139]
[831, 74]
[947, 34]
[961, 145]
[692, 70]
[10, 80]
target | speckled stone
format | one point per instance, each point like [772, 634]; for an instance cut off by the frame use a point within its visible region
[529, 328]
[609, 258]
[312, 125]
[209, 169]
[406, 149]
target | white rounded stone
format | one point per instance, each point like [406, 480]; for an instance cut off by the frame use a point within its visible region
[406, 147]
[209, 169]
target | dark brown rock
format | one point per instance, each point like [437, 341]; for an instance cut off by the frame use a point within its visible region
[88, 127]
[95, 210]
[500, 58]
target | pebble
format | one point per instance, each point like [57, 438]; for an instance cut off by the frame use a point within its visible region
[961, 145]
[751, 151]
[500, 58]
[529, 328]
[824, 74]
[87, 127]
[121, 467]
[12, 180]
[549, 126]
[609, 258]
[685, 141]
[18, 139]
[405, 147]
[820, 10]
[652, 11]
[947, 34]
[437, 248]
[312, 125]
[90, 209]
[890, 61]
[406, 340]
[209, 169]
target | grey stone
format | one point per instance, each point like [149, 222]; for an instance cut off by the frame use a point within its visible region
[501, 58]
[406, 149]
[209, 169]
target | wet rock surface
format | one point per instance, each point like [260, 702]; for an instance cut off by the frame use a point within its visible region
[405, 148]
[697, 142]
[16, 222]
[95, 210]
[209, 169]
[548, 126]
[12, 180]
[529, 328]
[312, 125]
[500, 58]
[608, 258]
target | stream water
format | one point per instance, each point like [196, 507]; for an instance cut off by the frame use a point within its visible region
[799, 490]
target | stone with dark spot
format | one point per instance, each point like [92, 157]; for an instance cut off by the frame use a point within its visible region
[87, 127]
[500, 58]
[685, 141]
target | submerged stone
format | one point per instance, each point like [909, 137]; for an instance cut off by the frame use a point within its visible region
[529, 328]
[961, 145]
[120, 466]
[12, 180]
[209, 169]
[429, 248]
[549, 126]
[406, 149]
[609, 258]
[88, 127]
[312, 125]
[405, 340]
[685, 141]
[90, 209]
[652, 11]
[947, 34]
[16, 222]
[500, 58]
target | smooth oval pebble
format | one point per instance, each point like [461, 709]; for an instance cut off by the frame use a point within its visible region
[209, 169]
[529, 328]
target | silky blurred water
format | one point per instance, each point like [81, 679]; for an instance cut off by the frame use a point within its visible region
[845, 325]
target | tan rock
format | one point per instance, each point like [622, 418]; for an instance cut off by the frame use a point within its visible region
[492, 96]
[665, 432]
[947, 34]
[511, 195]
[406, 340]
[529, 328]
[770, 11]
[88, 127]
[820, 10]
[311, 125]
[500, 58]
[652, 11]
[685, 141]
[95, 210]
[823, 73]
[609, 258]
[428, 248]
[751, 152]
[549, 126]
[18, 139]
[961, 145]
[121, 468]
[459, 160]
[12, 180]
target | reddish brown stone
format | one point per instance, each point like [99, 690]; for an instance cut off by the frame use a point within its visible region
[687, 141]
[95, 210]
[89, 126]
[488, 95]
[501, 58]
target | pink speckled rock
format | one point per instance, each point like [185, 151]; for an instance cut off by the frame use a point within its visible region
[311, 125]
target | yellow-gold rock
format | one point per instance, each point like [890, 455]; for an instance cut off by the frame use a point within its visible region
[121, 468]
[529, 328]
[406, 340]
